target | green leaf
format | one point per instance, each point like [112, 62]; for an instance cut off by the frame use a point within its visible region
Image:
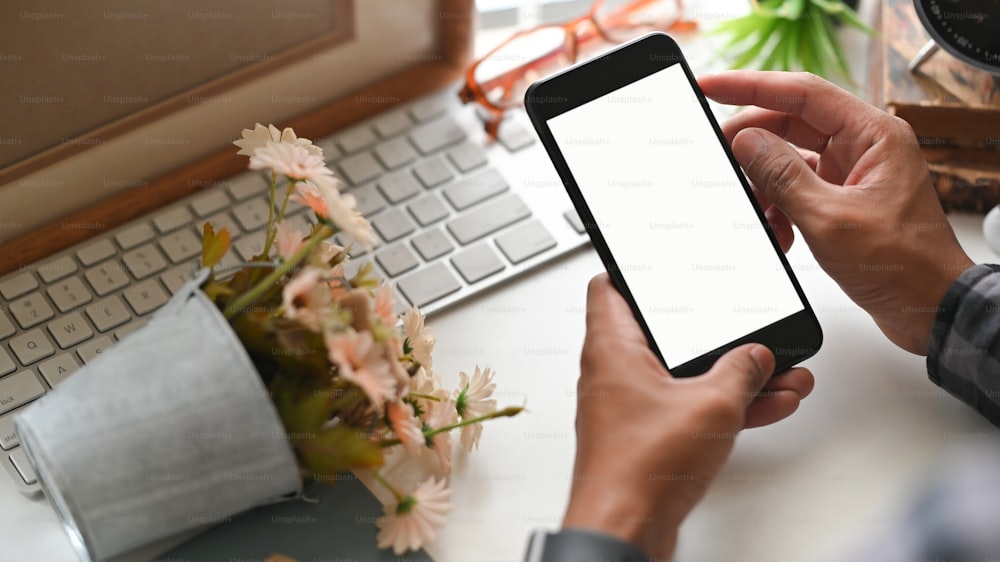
[750, 54]
[303, 408]
[844, 13]
[214, 245]
[792, 9]
[828, 46]
[807, 54]
[791, 57]
[213, 290]
[337, 449]
[770, 63]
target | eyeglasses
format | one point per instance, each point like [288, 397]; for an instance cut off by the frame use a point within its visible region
[498, 80]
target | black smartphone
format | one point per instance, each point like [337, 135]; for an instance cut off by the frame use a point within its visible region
[668, 208]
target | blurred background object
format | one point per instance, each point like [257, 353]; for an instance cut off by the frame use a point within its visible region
[791, 35]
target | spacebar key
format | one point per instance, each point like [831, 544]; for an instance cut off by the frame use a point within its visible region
[487, 219]
[429, 285]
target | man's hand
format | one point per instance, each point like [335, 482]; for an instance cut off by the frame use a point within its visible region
[858, 189]
[648, 444]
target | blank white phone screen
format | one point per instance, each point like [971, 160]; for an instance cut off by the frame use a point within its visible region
[662, 191]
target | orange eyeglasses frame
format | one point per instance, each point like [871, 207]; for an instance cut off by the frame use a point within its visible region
[576, 33]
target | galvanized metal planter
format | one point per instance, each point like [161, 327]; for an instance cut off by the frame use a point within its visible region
[170, 430]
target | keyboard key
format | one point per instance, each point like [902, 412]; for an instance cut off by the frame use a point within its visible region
[436, 134]
[182, 245]
[70, 330]
[171, 220]
[428, 285]
[20, 460]
[145, 261]
[525, 241]
[467, 156]
[392, 123]
[145, 297]
[428, 108]
[175, 278]
[251, 214]
[96, 252]
[433, 171]
[354, 249]
[514, 136]
[432, 244]
[56, 269]
[128, 329]
[226, 221]
[428, 209]
[8, 439]
[474, 189]
[574, 220]
[396, 152]
[398, 186]
[392, 224]
[356, 138]
[69, 294]
[108, 313]
[245, 186]
[6, 363]
[6, 326]
[369, 200]
[18, 285]
[477, 263]
[331, 152]
[31, 310]
[107, 277]
[135, 235]
[351, 268]
[29, 347]
[209, 203]
[488, 219]
[396, 259]
[58, 369]
[90, 350]
[249, 246]
[360, 168]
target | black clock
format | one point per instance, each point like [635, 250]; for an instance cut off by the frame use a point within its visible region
[968, 29]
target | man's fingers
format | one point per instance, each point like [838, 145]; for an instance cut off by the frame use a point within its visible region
[608, 313]
[819, 103]
[786, 126]
[771, 408]
[780, 173]
[780, 397]
[742, 371]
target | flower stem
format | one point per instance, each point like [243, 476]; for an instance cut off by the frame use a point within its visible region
[269, 238]
[381, 480]
[425, 396]
[507, 412]
[250, 297]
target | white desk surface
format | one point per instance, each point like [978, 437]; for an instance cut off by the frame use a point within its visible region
[806, 489]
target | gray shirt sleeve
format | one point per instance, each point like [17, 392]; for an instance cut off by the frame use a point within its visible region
[963, 355]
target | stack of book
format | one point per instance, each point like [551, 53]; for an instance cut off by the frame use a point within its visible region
[953, 108]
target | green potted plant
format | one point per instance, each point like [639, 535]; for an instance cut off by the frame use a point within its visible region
[791, 35]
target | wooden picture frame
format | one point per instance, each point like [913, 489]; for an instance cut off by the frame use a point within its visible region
[454, 37]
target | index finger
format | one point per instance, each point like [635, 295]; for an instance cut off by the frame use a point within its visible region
[817, 102]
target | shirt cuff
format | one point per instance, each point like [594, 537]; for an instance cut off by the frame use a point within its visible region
[965, 340]
[574, 545]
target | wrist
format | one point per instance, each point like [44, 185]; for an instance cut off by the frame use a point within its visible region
[916, 318]
[612, 512]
